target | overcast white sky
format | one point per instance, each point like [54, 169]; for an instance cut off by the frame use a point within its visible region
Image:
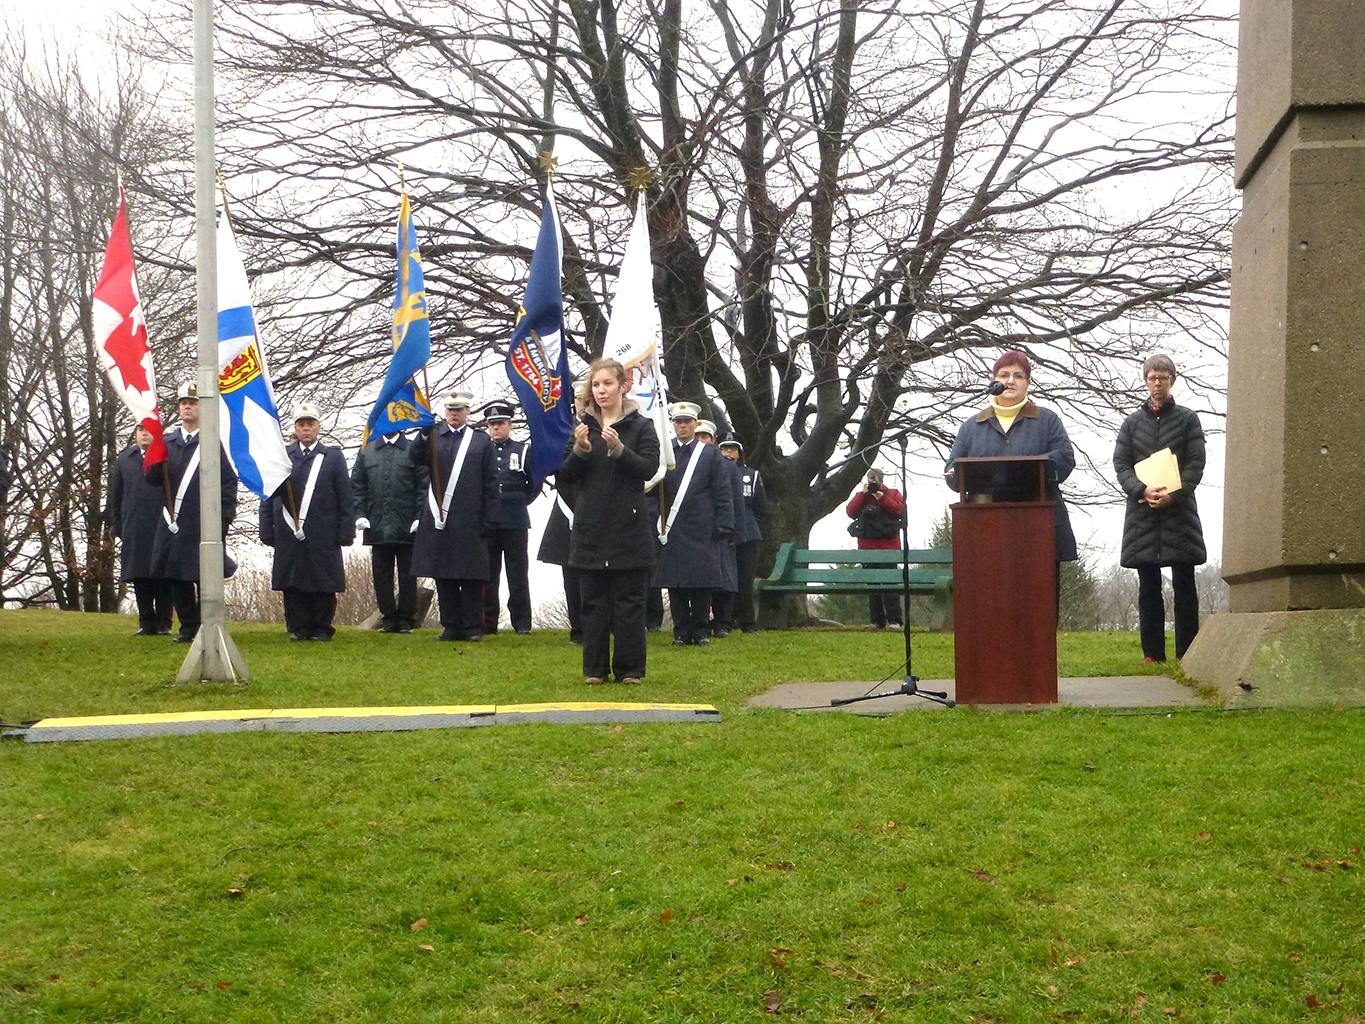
[1097, 529]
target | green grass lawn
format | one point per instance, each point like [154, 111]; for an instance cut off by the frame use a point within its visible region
[963, 866]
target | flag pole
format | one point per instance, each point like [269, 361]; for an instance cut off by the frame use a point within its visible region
[213, 657]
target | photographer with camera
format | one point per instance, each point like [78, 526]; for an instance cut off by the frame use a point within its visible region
[877, 511]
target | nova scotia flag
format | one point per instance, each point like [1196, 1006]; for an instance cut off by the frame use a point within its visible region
[250, 423]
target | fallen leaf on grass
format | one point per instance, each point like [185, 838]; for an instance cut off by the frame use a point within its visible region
[732, 881]
[222, 984]
[54, 977]
[1203, 837]
[982, 875]
[618, 728]
[1295, 958]
[427, 947]
[1218, 979]
[418, 925]
[872, 902]
[782, 865]
[581, 920]
[772, 1001]
[235, 892]
[1089, 767]
[1311, 1001]
[666, 916]
[374, 824]
[901, 887]
[777, 957]
[1075, 960]
[1170, 1011]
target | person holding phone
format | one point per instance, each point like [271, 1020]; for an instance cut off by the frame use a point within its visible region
[613, 453]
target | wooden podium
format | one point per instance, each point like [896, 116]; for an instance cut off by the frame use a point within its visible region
[1004, 582]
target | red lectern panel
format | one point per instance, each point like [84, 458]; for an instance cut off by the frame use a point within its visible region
[1005, 603]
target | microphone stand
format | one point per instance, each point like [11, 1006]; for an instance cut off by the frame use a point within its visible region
[910, 683]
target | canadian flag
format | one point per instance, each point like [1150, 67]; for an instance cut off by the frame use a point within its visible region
[121, 335]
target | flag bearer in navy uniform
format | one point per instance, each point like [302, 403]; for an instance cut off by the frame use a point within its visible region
[748, 535]
[175, 551]
[723, 597]
[388, 482]
[308, 520]
[699, 520]
[507, 540]
[134, 509]
[458, 511]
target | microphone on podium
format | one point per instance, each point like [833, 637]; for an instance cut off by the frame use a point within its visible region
[996, 388]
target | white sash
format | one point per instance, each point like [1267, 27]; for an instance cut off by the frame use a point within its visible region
[438, 515]
[307, 495]
[682, 492]
[173, 521]
[564, 507]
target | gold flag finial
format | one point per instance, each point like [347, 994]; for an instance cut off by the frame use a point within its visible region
[402, 177]
[640, 177]
[548, 162]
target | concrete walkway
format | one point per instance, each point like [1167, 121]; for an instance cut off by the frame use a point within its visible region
[1101, 692]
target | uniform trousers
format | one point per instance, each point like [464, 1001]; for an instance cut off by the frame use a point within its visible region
[746, 564]
[690, 607]
[153, 605]
[573, 604]
[1152, 610]
[185, 600]
[461, 606]
[309, 613]
[613, 610]
[722, 610]
[508, 545]
[385, 560]
[654, 608]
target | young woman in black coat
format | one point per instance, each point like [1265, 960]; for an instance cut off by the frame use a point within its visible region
[1162, 528]
[611, 547]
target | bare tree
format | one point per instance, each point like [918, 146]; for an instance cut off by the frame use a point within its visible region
[60, 140]
[850, 203]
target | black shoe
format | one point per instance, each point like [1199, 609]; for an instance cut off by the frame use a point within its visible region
[325, 636]
[471, 638]
[144, 632]
[523, 631]
[702, 641]
[679, 642]
[389, 627]
[721, 633]
[297, 638]
[163, 630]
[654, 629]
[182, 638]
[748, 629]
[448, 634]
[403, 629]
[576, 638]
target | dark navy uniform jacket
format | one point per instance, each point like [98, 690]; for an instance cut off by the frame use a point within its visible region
[514, 485]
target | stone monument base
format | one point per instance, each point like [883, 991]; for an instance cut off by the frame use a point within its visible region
[1285, 658]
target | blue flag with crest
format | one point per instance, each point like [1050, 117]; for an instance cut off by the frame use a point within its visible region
[537, 359]
[401, 404]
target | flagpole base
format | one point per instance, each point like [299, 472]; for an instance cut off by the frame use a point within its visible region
[213, 658]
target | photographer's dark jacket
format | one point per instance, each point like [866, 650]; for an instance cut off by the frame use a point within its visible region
[1174, 534]
[611, 525]
[878, 521]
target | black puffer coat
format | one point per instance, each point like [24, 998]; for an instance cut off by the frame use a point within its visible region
[1170, 535]
[388, 482]
[612, 527]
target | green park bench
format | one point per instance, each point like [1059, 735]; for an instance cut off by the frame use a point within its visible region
[816, 572]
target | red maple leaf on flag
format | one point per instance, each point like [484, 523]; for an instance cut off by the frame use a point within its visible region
[121, 334]
[126, 344]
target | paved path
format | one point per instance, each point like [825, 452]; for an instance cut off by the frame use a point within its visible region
[1103, 692]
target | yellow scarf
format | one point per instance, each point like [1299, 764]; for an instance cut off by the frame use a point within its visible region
[1006, 414]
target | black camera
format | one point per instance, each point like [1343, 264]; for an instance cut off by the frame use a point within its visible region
[873, 487]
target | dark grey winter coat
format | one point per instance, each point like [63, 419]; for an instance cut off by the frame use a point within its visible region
[1036, 431]
[315, 563]
[134, 510]
[1170, 535]
[458, 552]
[388, 484]
[691, 560]
[175, 556]
[729, 566]
[612, 526]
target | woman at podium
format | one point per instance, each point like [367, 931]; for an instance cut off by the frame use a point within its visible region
[1013, 424]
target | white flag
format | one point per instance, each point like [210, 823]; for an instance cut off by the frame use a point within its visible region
[250, 425]
[635, 336]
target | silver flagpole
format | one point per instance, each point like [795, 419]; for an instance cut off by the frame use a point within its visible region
[213, 657]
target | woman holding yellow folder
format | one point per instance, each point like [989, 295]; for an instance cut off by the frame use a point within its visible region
[1161, 523]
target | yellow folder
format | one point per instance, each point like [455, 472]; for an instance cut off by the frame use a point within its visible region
[1160, 469]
